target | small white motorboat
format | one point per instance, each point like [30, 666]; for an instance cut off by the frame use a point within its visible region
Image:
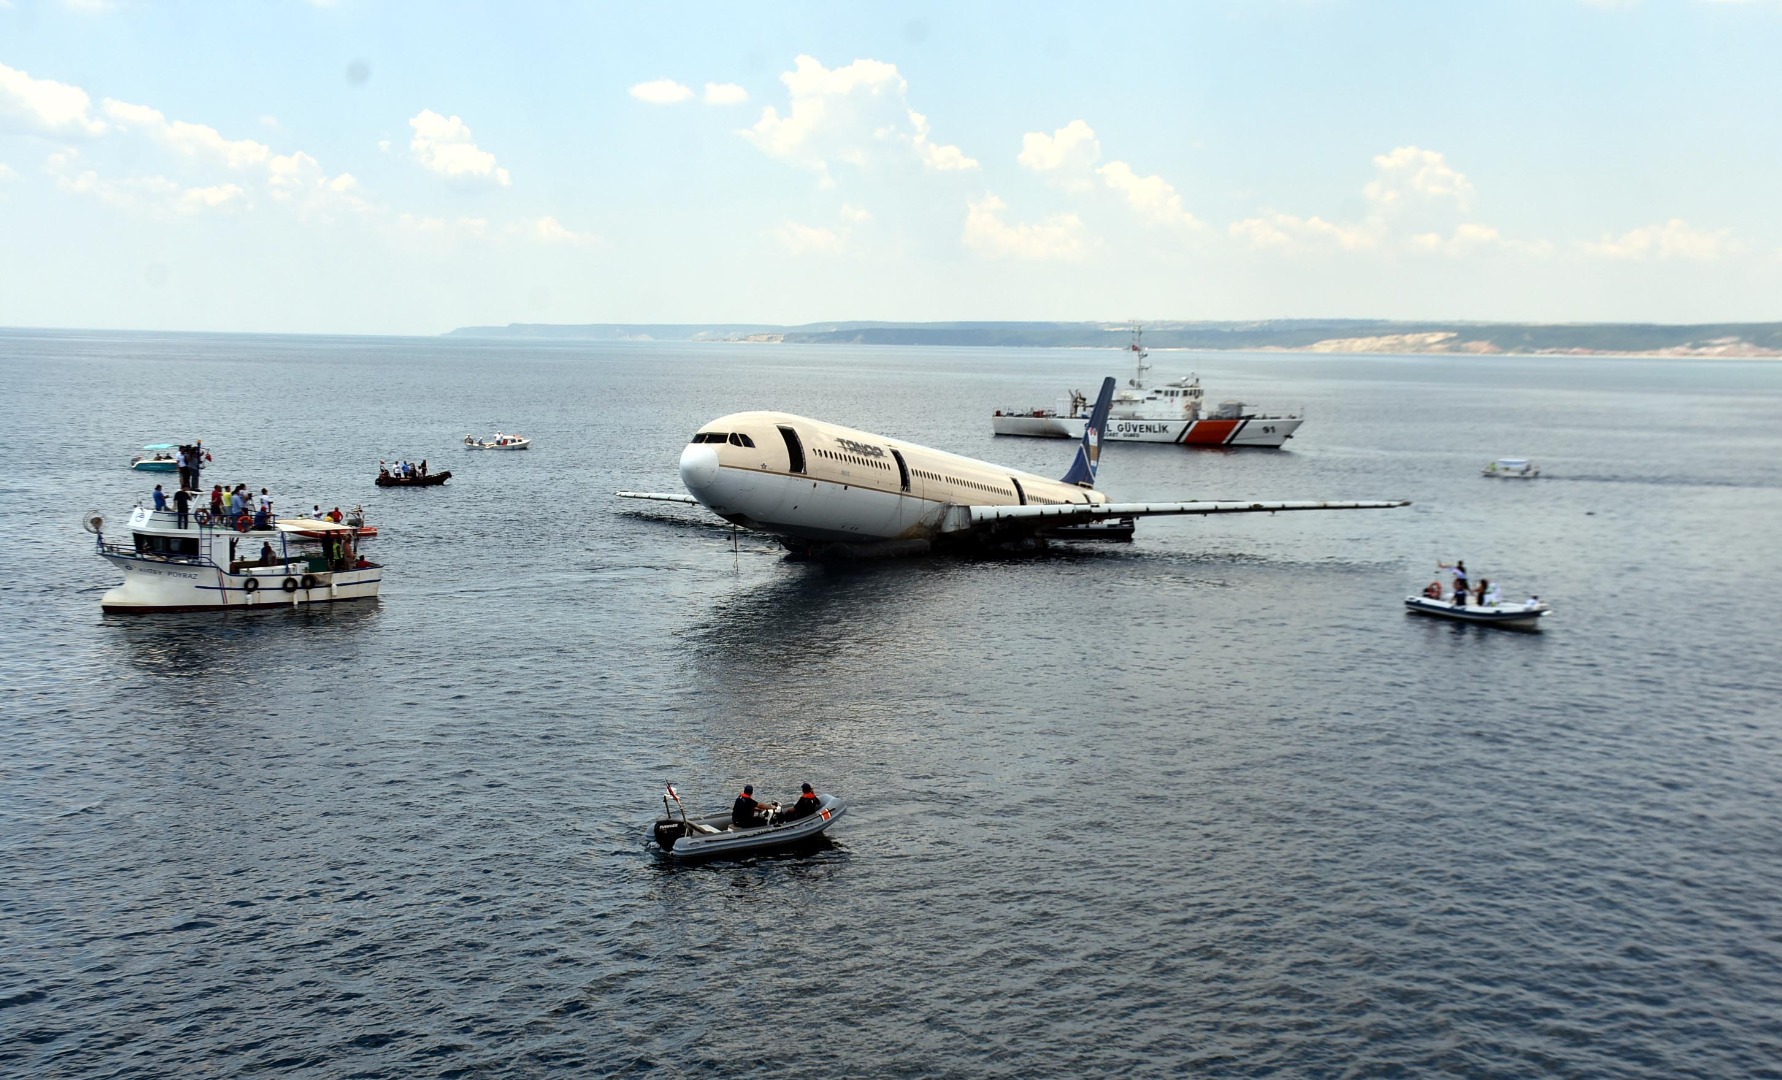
[704, 837]
[1512, 468]
[156, 457]
[501, 441]
[1524, 616]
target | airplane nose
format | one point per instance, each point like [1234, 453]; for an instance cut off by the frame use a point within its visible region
[699, 466]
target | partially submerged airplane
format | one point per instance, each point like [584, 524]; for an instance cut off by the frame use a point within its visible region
[826, 489]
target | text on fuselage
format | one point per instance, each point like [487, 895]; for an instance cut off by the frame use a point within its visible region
[862, 449]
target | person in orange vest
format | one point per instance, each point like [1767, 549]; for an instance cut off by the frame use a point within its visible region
[806, 805]
[746, 813]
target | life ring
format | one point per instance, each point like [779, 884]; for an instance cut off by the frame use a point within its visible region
[244, 523]
[251, 585]
[202, 517]
[290, 584]
[309, 582]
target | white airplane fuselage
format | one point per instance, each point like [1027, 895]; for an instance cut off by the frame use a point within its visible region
[807, 480]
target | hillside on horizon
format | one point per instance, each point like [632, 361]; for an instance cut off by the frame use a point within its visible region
[1302, 335]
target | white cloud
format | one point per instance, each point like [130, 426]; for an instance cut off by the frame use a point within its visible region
[1151, 197]
[1067, 156]
[1674, 239]
[1414, 202]
[154, 194]
[851, 114]
[45, 107]
[548, 230]
[1060, 237]
[1410, 172]
[661, 92]
[725, 94]
[809, 239]
[7, 173]
[193, 140]
[444, 145]
[1284, 232]
[850, 212]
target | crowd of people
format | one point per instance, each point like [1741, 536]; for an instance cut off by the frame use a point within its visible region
[405, 469]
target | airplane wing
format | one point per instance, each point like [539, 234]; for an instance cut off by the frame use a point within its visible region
[656, 496]
[1083, 513]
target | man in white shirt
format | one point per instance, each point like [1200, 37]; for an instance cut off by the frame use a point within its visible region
[265, 502]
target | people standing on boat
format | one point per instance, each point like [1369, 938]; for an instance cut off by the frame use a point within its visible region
[160, 498]
[1479, 593]
[182, 502]
[216, 501]
[1459, 568]
[265, 502]
[746, 813]
[423, 466]
[335, 515]
[180, 462]
[1492, 596]
[237, 501]
[806, 805]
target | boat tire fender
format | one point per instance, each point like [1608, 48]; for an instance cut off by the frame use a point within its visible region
[244, 523]
[290, 584]
[251, 585]
[309, 582]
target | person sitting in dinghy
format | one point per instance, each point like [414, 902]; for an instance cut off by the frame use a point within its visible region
[746, 813]
[1432, 591]
[806, 805]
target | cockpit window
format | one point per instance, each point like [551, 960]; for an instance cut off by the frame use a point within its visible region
[737, 438]
[712, 436]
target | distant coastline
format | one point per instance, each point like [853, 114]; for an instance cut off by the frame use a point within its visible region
[1706, 341]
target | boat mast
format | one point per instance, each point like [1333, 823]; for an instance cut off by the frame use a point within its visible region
[1137, 348]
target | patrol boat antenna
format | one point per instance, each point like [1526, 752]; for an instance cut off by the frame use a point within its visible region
[1137, 348]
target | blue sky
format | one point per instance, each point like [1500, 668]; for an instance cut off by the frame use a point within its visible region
[411, 167]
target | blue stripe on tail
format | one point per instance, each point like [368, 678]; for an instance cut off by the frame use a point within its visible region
[1082, 470]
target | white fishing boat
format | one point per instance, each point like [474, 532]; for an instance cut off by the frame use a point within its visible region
[501, 441]
[686, 837]
[1524, 616]
[217, 566]
[1175, 412]
[156, 457]
[1512, 468]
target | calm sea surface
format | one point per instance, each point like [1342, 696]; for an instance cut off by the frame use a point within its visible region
[1206, 804]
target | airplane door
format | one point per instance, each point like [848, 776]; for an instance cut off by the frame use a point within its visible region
[794, 448]
[903, 470]
[1019, 493]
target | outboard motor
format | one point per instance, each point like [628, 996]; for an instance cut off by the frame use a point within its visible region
[668, 830]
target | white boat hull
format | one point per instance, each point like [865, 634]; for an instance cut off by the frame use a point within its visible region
[1262, 431]
[696, 842]
[165, 585]
[1512, 616]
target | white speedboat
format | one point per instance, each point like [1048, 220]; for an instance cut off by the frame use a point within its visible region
[1524, 616]
[1172, 413]
[705, 837]
[499, 442]
[1512, 468]
[216, 566]
[156, 457]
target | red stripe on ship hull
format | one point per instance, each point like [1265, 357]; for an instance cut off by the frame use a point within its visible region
[1209, 432]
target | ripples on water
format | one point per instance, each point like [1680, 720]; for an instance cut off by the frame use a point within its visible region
[1206, 804]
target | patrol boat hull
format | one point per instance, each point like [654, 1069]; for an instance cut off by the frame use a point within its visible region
[1510, 616]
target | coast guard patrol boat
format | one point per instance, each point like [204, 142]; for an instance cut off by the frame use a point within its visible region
[1172, 413]
[213, 566]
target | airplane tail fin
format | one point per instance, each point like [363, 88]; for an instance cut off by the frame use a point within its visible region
[1082, 470]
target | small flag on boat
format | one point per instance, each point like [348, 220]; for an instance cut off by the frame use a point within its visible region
[672, 795]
